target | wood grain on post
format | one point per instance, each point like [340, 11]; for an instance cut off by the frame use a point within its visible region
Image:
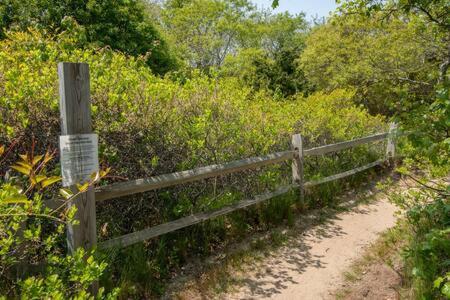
[297, 164]
[390, 145]
[75, 110]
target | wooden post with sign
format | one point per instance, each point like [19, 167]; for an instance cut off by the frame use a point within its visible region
[75, 109]
[297, 164]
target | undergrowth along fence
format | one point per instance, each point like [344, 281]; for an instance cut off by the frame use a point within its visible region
[76, 119]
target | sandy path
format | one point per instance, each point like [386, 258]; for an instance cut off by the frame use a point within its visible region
[311, 266]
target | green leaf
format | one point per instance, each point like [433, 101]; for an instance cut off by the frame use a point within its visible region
[50, 181]
[66, 193]
[21, 169]
[83, 188]
[154, 161]
[36, 159]
[40, 178]
[402, 170]
[90, 260]
[446, 290]
[24, 164]
[104, 172]
[22, 199]
[437, 283]
[24, 157]
[275, 3]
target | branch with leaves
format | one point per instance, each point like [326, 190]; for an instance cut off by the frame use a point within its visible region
[31, 233]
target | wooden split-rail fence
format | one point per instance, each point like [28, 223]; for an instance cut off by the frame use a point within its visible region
[76, 119]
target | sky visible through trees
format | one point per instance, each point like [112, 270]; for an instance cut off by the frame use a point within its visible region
[312, 8]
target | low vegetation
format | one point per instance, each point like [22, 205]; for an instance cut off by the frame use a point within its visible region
[202, 121]
[32, 256]
[427, 250]
[181, 84]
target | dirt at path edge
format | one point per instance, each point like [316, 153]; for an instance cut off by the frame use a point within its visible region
[312, 266]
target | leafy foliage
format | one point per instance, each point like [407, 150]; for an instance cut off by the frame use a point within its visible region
[436, 11]
[205, 31]
[149, 125]
[423, 108]
[238, 40]
[268, 59]
[121, 25]
[390, 64]
[248, 79]
[428, 252]
[32, 235]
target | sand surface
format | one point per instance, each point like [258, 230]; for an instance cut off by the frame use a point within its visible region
[311, 266]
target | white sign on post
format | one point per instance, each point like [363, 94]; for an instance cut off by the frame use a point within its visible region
[79, 157]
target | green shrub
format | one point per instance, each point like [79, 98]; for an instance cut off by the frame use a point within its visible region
[33, 259]
[427, 254]
[149, 125]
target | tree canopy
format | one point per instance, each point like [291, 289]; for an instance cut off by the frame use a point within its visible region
[123, 25]
[388, 63]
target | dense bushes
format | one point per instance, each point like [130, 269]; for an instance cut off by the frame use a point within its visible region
[427, 251]
[396, 55]
[149, 125]
[211, 120]
[33, 259]
[122, 25]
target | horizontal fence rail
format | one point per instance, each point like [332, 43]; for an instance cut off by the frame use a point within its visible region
[155, 231]
[345, 174]
[167, 180]
[345, 145]
[172, 179]
[138, 236]
[161, 181]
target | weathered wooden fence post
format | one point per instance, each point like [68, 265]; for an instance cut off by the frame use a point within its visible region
[390, 145]
[297, 164]
[75, 109]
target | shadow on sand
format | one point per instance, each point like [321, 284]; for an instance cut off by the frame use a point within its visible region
[295, 258]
